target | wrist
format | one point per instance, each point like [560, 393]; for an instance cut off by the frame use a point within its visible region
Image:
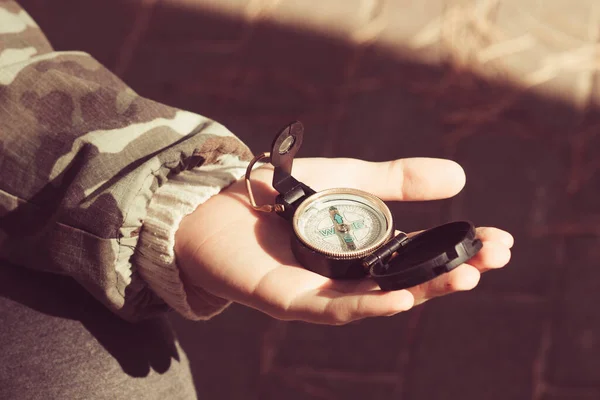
[166, 255]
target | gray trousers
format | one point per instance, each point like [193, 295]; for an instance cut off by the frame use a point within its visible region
[57, 342]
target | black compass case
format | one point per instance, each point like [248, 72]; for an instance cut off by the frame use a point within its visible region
[427, 255]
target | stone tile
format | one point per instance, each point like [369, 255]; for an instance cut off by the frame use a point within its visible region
[554, 35]
[574, 353]
[404, 23]
[77, 25]
[532, 272]
[583, 200]
[300, 389]
[187, 24]
[587, 199]
[470, 346]
[314, 58]
[368, 346]
[198, 54]
[386, 124]
[330, 19]
[571, 394]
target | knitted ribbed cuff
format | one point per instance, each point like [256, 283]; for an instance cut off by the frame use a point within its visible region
[155, 256]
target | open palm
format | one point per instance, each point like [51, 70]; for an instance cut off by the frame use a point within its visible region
[234, 252]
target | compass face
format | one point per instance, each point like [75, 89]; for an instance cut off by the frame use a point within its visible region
[343, 223]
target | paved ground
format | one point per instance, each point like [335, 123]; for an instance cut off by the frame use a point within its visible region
[379, 80]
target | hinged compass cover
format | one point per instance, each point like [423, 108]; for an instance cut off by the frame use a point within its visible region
[427, 255]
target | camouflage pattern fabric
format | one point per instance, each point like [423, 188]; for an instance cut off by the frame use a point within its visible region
[80, 156]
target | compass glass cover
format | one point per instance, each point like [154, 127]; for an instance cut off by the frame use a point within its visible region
[343, 223]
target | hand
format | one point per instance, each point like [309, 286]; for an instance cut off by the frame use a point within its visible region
[244, 256]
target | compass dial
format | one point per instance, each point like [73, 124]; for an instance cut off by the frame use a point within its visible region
[343, 223]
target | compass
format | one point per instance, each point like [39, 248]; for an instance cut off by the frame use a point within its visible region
[345, 233]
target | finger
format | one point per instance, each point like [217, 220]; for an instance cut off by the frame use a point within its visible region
[491, 234]
[493, 255]
[462, 278]
[405, 179]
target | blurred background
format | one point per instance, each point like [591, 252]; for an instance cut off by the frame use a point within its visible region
[508, 88]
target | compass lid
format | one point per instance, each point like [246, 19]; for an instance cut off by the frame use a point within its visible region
[427, 255]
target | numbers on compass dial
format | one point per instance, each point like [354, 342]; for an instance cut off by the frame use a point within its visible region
[341, 224]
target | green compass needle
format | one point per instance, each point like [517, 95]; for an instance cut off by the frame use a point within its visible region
[342, 229]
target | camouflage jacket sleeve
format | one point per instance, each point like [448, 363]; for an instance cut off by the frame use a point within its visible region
[81, 157]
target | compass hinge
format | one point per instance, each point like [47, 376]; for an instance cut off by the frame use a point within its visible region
[383, 254]
[292, 198]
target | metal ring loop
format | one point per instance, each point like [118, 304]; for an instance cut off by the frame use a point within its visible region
[265, 207]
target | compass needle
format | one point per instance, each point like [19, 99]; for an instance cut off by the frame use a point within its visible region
[342, 229]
